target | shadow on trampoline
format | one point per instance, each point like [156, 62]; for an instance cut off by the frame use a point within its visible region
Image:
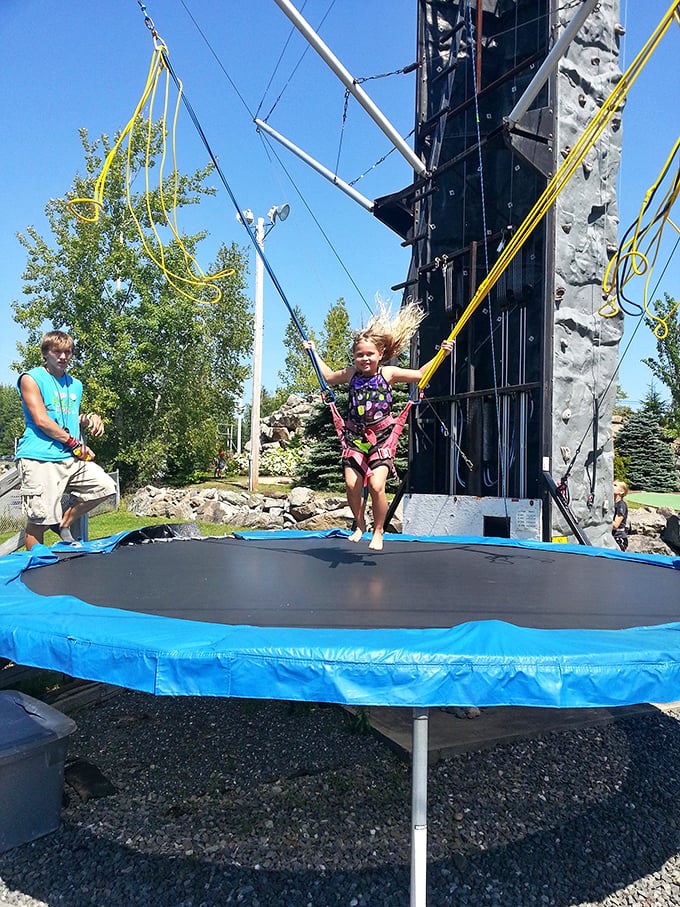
[571, 817]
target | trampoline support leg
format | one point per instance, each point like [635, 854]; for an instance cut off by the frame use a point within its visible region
[419, 809]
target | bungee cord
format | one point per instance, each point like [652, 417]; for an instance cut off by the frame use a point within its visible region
[240, 212]
[269, 148]
[194, 282]
[562, 487]
[638, 252]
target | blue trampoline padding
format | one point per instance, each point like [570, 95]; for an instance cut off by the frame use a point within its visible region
[482, 663]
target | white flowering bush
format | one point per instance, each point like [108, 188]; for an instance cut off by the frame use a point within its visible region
[274, 461]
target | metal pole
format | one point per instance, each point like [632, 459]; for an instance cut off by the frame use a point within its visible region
[254, 473]
[350, 84]
[324, 171]
[419, 809]
[550, 63]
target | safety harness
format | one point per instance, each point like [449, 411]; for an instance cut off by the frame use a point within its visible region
[365, 454]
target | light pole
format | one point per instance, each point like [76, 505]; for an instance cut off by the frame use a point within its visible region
[275, 213]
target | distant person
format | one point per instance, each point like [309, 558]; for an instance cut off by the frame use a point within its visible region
[52, 457]
[220, 465]
[368, 454]
[620, 515]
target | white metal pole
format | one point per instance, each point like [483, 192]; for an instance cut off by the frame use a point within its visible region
[419, 809]
[550, 63]
[254, 472]
[350, 84]
[324, 171]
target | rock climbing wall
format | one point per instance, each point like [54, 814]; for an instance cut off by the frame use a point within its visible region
[586, 345]
[531, 384]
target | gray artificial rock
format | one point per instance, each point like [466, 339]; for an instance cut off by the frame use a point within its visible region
[586, 345]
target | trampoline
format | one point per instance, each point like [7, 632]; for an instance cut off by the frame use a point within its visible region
[311, 616]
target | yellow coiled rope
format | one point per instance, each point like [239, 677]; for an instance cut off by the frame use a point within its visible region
[637, 255]
[194, 280]
[564, 173]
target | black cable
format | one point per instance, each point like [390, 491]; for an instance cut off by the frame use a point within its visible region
[259, 250]
[217, 59]
[269, 148]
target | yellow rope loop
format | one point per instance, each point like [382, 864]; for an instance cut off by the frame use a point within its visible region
[664, 322]
[75, 205]
[562, 176]
[642, 249]
[193, 284]
[609, 308]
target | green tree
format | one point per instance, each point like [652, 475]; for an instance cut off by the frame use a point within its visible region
[649, 460]
[268, 403]
[666, 368]
[320, 468]
[654, 405]
[297, 375]
[621, 407]
[336, 336]
[11, 419]
[163, 370]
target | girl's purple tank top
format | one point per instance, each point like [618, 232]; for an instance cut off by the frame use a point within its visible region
[370, 399]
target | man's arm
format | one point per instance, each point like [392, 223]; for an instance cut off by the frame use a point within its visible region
[30, 394]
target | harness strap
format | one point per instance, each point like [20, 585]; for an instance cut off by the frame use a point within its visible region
[386, 451]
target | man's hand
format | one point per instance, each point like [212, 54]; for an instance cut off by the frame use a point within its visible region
[93, 423]
[83, 452]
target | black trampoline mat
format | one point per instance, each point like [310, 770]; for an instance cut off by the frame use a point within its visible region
[326, 583]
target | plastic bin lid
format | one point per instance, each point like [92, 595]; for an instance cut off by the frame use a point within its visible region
[26, 722]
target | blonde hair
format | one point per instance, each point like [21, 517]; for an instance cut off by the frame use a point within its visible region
[621, 488]
[390, 333]
[56, 340]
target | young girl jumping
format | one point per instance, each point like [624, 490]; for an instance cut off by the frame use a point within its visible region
[367, 456]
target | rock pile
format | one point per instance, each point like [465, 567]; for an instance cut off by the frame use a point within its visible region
[301, 508]
[651, 530]
[654, 531]
[286, 423]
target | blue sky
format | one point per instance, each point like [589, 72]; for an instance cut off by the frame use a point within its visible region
[74, 64]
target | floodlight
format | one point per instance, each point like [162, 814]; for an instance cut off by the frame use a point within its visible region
[278, 211]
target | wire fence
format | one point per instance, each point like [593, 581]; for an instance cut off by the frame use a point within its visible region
[11, 517]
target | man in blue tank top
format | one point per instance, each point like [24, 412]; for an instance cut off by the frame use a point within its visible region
[52, 457]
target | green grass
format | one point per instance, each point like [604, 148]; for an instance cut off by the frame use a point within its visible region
[121, 521]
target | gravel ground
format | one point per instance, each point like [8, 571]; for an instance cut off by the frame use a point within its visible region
[224, 802]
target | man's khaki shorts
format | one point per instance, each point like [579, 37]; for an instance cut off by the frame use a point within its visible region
[44, 483]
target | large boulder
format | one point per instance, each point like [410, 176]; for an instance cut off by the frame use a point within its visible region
[302, 503]
[652, 531]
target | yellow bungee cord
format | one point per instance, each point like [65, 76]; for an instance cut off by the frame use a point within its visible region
[562, 176]
[637, 256]
[193, 283]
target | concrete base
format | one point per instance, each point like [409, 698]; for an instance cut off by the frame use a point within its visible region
[450, 734]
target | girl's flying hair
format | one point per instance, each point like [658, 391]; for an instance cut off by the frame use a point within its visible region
[391, 333]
